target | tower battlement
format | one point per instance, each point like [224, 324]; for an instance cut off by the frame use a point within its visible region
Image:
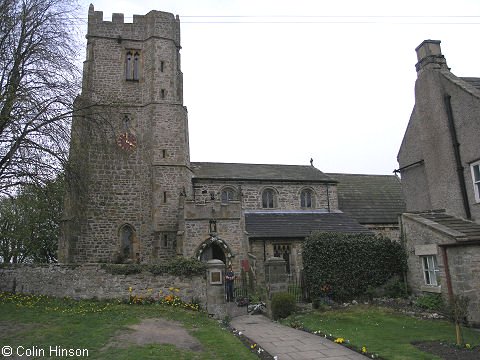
[154, 24]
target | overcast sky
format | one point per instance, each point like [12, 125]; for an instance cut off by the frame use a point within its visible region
[280, 82]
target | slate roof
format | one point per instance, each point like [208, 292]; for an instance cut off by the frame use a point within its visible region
[470, 229]
[291, 224]
[475, 82]
[257, 172]
[370, 199]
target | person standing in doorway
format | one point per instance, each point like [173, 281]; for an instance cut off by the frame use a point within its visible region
[229, 279]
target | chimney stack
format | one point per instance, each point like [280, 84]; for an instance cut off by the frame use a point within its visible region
[429, 56]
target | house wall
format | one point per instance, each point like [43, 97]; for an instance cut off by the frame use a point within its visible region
[435, 183]
[465, 102]
[464, 262]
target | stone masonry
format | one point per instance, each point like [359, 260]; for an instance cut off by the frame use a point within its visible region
[137, 197]
[89, 281]
[423, 237]
[140, 187]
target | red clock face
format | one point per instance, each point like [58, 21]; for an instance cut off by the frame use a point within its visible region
[127, 141]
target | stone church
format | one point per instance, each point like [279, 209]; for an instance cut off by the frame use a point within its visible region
[138, 198]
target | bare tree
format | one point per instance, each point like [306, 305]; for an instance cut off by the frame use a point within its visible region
[39, 80]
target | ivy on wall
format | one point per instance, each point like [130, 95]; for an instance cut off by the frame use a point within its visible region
[344, 266]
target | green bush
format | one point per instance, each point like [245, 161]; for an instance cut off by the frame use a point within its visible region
[178, 266]
[181, 266]
[321, 304]
[348, 264]
[396, 289]
[283, 304]
[430, 302]
[457, 310]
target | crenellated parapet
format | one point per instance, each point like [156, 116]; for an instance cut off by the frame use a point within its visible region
[158, 24]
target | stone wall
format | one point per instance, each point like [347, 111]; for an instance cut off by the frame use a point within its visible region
[139, 187]
[88, 281]
[287, 194]
[264, 249]
[464, 263]
[391, 231]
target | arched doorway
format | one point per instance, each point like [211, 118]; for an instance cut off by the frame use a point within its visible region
[213, 251]
[214, 248]
[129, 249]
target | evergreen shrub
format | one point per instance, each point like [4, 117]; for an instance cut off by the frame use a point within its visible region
[283, 304]
[345, 266]
[178, 266]
[430, 301]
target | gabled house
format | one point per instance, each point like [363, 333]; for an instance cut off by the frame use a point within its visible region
[439, 163]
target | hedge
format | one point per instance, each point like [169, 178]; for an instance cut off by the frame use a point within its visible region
[178, 266]
[343, 266]
[283, 304]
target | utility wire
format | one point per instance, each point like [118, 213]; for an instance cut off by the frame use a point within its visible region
[326, 19]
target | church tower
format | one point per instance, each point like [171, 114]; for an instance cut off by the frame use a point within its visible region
[129, 154]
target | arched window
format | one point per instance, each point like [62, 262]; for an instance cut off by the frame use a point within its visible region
[306, 198]
[228, 194]
[268, 199]
[126, 241]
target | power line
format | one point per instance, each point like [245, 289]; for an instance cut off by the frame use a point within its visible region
[325, 19]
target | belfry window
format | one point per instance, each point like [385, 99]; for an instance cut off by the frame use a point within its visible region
[132, 65]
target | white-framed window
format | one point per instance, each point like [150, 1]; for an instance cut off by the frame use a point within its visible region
[475, 167]
[430, 270]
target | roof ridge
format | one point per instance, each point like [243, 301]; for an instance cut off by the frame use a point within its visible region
[237, 163]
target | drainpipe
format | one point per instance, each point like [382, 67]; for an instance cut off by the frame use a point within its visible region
[458, 159]
[447, 274]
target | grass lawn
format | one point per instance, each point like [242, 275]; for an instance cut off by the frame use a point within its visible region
[381, 330]
[37, 322]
